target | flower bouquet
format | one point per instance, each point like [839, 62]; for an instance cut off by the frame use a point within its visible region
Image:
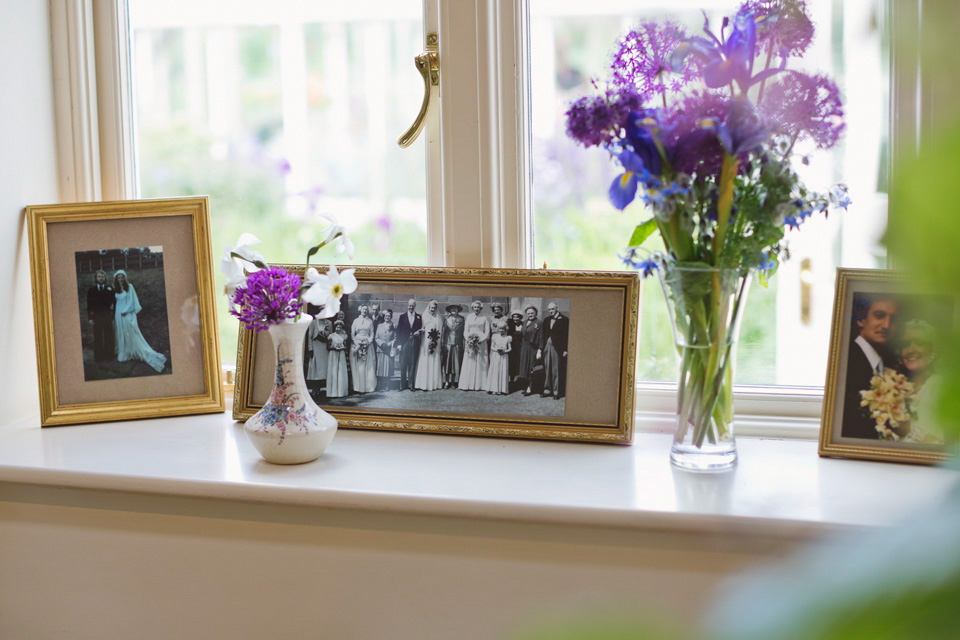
[704, 128]
[360, 346]
[473, 343]
[433, 339]
[290, 428]
[889, 400]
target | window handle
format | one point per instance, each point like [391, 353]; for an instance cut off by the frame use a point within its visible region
[428, 64]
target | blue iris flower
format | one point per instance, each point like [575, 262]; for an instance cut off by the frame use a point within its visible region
[729, 61]
[741, 130]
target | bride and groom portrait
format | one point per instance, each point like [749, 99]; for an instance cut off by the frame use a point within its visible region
[891, 375]
[123, 313]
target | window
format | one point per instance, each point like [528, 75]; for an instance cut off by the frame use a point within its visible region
[485, 185]
[576, 227]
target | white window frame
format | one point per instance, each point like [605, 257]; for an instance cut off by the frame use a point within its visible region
[478, 184]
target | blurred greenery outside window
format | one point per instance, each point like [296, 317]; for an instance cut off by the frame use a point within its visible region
[279, 121]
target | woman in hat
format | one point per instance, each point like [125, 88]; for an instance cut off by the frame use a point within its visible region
[337, 382]
[452, 346]
[529, 346]
[516, 337]
[363, 354]
[130, 343]
[476, 330]
[386, 335]
[429, 374]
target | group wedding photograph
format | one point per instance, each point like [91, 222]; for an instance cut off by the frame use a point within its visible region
[453, 354]
[123, 313]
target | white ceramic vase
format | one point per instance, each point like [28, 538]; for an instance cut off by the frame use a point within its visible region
[290, 428]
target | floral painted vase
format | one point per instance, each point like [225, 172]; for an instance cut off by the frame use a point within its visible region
[290, 428]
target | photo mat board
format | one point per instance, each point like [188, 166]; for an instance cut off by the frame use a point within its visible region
[151, 351]
[594, 398]
[882, 374]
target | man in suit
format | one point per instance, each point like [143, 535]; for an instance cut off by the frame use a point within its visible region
[553, 350]
[875, 317]
[409, 329]
[100, 306]
[375, 314]
[452, 342]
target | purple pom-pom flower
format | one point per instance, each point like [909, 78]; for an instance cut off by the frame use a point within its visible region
[268, 297]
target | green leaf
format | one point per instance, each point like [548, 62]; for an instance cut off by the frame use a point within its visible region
[642, 232]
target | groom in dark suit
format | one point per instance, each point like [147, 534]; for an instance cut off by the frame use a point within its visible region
[876, 318]
[409, 329]
[100, 304]
[553, 350]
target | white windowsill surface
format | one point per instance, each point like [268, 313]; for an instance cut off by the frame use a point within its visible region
[780, 488]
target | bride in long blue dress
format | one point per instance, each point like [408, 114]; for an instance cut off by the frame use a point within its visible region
[130, 343]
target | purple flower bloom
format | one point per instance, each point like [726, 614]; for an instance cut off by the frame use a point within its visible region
[806, 106]
[726, 61]
[269, 296]
[597, 120]
[782, 24]
[689, 147]
[642, 60]
[742, 130]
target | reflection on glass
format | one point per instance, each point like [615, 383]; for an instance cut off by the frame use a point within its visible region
[785, 330]
[280, 113]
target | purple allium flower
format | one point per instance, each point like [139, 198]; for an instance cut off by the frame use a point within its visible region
[596, 120]
[642, 60]
[782, 24]
[806, 106]
[269, 296]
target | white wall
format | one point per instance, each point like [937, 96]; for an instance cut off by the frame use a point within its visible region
[28, 175]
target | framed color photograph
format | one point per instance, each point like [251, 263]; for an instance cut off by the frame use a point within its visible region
[882, 375]
[124, 310]
[536, 354]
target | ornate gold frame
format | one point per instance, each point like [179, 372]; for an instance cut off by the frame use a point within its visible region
[838, 343]
[624, 284]
[52, 412]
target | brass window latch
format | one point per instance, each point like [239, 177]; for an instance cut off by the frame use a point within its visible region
[428, 64]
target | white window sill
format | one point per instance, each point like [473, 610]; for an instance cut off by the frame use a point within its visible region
[780, 487]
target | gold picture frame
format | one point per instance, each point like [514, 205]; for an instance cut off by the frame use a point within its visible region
[94, 356]
[882, 323]
[595, 399]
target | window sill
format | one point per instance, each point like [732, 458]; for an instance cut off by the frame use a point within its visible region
[780, 489]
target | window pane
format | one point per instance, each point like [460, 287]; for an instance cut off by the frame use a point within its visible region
[280, 112]
[786, 326]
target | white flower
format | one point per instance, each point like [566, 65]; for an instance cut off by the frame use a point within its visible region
[326, 288]
[344, 244]
[235, 269]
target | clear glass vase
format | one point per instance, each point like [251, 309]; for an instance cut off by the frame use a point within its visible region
[705, 306]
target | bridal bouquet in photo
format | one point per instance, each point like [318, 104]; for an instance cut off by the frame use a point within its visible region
[433, 337]
[889, 401]
[473, 343]
[703, 129]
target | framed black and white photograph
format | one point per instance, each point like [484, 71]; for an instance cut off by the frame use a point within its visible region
[882, 379]
[124, 310]
[496, 352]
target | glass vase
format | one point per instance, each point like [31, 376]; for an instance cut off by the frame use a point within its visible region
[290, 428]
[705, 306]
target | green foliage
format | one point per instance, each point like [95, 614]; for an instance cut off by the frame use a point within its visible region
[643, 231]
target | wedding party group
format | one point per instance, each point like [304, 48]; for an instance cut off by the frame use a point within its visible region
[891, 371]
[110, 309]
[497, 347]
